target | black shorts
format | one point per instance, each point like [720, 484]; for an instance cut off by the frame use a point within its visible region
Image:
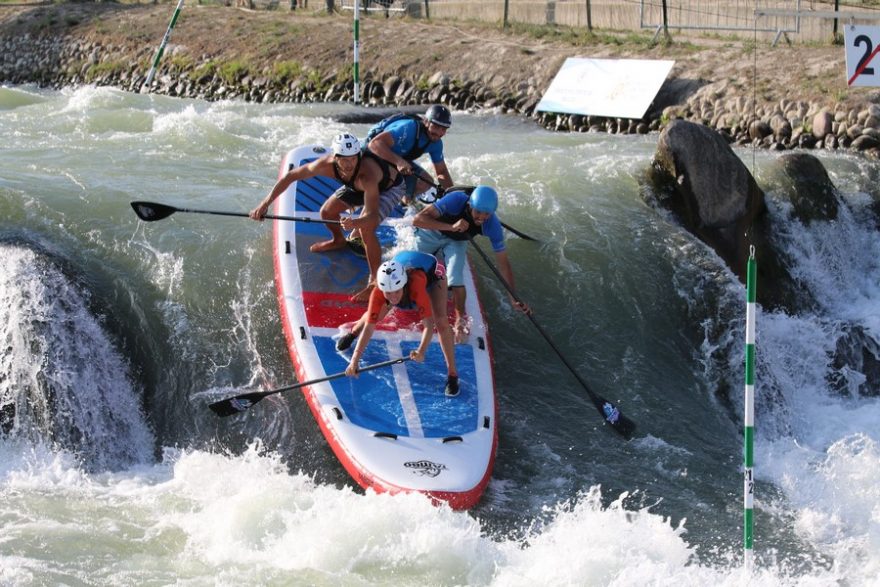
[352, 197]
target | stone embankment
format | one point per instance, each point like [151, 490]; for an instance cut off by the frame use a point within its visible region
[53, 61]
[59, 62]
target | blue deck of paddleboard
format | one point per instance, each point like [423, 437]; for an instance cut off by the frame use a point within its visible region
[372, 399]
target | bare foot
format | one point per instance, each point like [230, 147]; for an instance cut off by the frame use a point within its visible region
[363, 296]
[461, 331]
[324, 246]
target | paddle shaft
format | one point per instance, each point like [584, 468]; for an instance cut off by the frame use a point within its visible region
[597, 401]
[239, 403]
[510, 228]
[335, 376]
[267, 216]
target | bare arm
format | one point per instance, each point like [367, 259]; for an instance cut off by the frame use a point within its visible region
[428, 218]
[507, 271]
[368, 182]
[427, 335]
[322, 166]
[443, 176]
[381, 146]
[363, 340]
[357, 353]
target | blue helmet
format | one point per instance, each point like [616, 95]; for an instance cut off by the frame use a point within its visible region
[484, 199]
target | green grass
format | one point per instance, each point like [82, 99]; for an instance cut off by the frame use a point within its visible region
[205, 70]
[105, 67]
[285, 71]
[232, 71]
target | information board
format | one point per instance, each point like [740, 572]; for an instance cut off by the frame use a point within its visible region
[619, 88]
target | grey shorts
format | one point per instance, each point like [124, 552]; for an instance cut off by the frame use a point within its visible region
[387, 199]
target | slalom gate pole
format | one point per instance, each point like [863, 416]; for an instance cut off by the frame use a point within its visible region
[357, 39]
[749, 419]
[152, 72]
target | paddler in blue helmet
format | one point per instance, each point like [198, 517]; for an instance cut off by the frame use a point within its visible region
[410, 280]
[444, 229]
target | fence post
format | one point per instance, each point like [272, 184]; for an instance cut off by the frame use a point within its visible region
[427, 11]
[665, 22]
[504, 23]
[356, 71]
[589, 18]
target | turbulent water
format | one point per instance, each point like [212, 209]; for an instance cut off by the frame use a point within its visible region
[117, 333]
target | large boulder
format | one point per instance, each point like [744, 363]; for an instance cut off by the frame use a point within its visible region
[805, 183]
[712, 193]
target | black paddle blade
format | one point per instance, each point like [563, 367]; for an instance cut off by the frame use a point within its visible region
[236, 405]
[612, 416]
[149, 211]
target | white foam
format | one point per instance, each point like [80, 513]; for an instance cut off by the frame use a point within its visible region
[63, 379]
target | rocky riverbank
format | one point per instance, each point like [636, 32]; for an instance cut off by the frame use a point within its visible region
[223, 53]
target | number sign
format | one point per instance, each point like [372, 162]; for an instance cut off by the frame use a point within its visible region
[862, 63]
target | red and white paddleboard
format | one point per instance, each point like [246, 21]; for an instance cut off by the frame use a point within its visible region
[393, 429]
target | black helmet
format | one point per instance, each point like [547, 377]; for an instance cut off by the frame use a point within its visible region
[439, 115]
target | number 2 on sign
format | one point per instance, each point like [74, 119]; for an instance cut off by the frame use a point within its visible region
[862, 45]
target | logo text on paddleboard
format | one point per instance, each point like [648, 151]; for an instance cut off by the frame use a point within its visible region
[429, 468]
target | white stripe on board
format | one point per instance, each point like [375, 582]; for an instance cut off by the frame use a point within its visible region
[404, 392]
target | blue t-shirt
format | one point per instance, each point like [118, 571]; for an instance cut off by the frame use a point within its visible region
[453, 203]
[403, 132]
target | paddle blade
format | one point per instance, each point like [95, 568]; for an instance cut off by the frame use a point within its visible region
[150, 211]
[612, 416]
[236, 405]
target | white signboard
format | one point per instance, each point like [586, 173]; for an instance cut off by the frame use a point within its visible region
[862, 45]
[619, 88]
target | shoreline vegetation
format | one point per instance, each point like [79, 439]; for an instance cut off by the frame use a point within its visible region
[733, 86]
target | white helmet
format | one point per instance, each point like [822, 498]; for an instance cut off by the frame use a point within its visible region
[346, 145]
[391, 276]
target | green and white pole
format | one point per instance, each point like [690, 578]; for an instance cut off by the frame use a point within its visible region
[749, 421]
[164, 42]
[357, 39]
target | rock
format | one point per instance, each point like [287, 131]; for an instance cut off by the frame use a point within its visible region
[780, 126]
[822, 124]
[439, 79]
[865, 142]
[713, 193]
[759, 130]
[390, 86]
[806, 184]
[856, 363]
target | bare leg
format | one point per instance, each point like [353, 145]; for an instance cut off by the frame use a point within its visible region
[374, 259]
[462, 328]
[441, 322]
[332, 209]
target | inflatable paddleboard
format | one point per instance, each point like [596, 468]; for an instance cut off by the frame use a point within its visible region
[393, 429]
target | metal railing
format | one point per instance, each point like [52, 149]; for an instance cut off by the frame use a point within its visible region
[382, 6]
[713, 16]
